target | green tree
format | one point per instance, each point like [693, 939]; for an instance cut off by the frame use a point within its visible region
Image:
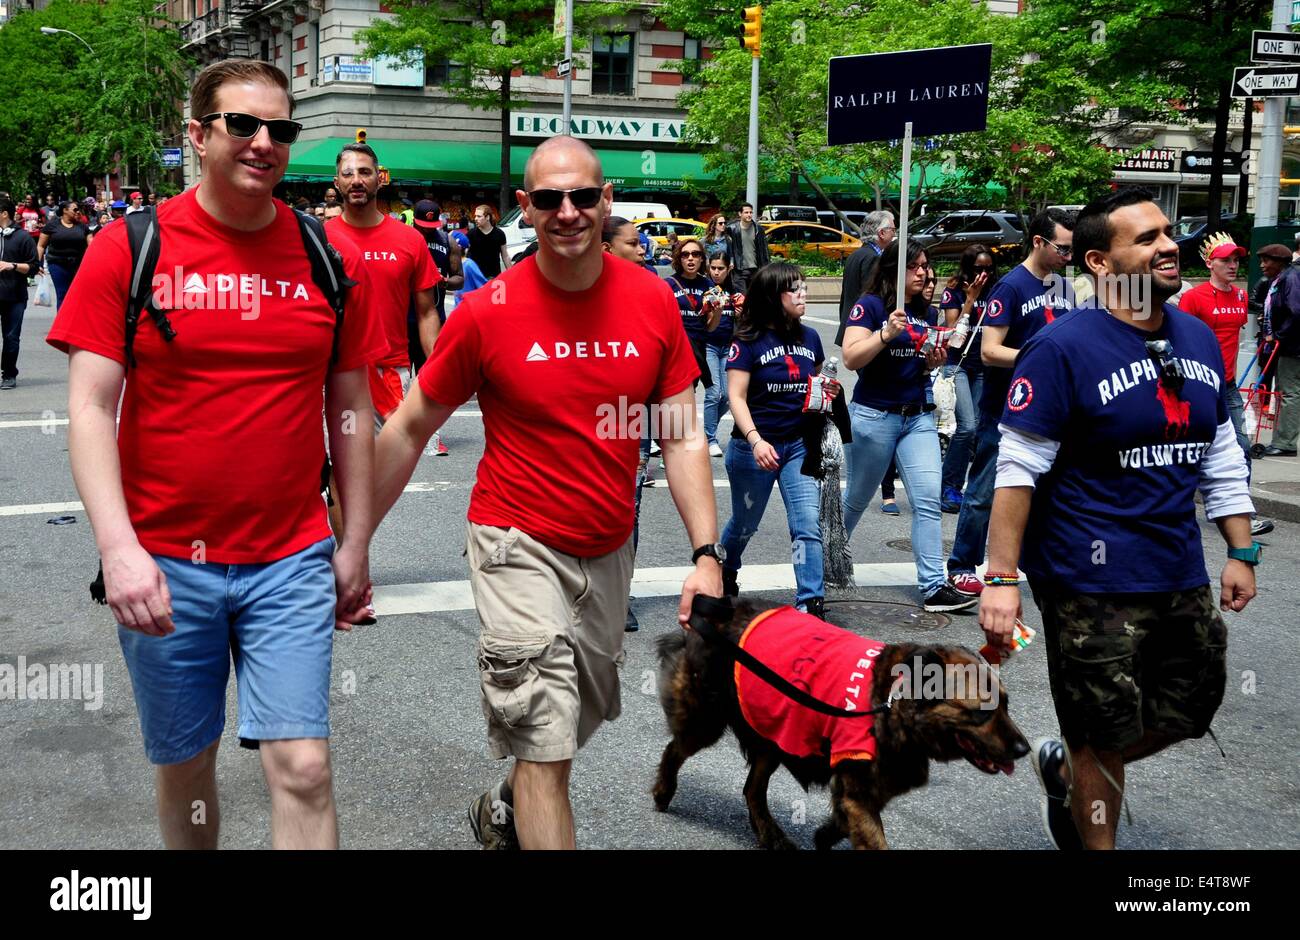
[73, 113]
[488, 40]
[1110, 64]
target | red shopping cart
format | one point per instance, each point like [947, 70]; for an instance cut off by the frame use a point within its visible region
[1261, 404]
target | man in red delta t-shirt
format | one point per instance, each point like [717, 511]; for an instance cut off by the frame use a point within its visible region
[562, 356]
[213, 535]
[1223, 307]
[398, 266]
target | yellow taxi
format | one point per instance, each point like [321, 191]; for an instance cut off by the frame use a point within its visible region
[658, 229]
[785, 237]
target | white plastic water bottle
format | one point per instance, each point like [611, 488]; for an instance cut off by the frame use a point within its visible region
[960, 332]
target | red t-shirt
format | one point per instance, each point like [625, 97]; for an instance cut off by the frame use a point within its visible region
[830, 664]
[561, 376]
[31, 219]
[1225, 312]
[220, 433]
[398, 264]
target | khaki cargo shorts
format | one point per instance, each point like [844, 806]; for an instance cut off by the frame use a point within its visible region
[551, 643]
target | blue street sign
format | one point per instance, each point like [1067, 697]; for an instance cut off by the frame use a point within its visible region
[171, 156]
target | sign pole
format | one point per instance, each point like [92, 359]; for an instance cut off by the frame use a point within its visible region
[568, 76]
[904, 200]
[1267, 187]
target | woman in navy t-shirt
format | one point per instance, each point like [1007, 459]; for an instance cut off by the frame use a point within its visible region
[718, 345]
[700, 309]
[964, 299]
[768, 368]
[893, 354]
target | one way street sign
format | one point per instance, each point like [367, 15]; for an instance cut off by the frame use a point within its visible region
[1280, 81]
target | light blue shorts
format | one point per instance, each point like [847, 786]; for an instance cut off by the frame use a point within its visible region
[275, 620]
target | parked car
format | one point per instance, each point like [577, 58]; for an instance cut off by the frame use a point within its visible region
[1189, 232]
[785, 237]
[947, 234]
[519, 234]
[855, 216]
[658, 229]
[788, 214]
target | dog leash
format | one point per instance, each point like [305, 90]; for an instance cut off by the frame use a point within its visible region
[706, 610]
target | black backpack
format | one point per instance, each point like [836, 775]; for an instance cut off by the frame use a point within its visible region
[143, 235]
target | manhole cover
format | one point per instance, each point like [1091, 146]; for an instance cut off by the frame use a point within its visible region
[868, 616]
[902, 545]
[1285, 488]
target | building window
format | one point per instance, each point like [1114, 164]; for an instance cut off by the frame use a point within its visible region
[613, 68]
[445, 72]
[693, 49]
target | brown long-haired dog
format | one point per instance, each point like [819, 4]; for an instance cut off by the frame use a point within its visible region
[698, 691]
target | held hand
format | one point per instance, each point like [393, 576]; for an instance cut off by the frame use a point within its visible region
[975, 287]
[1238, 582]
[765, 456]
[937, 357]
[738, 300]
[352, 586]
[706, 579]
[999, 608]
[895, 325]
[137, 592]
[833, 388]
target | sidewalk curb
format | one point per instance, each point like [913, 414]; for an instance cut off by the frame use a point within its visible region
[1273, 507]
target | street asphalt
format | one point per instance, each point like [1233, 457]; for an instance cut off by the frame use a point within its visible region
[408, 741]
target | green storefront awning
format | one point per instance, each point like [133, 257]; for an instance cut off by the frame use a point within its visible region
[418, 161]
[478, 164]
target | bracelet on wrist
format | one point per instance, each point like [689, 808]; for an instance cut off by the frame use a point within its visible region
[1001, 579]
[749, 432]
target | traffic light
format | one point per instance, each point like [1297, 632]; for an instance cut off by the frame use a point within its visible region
[753, 30]
[361, 135]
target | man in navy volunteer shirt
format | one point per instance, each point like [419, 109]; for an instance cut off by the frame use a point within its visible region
[1112, 422]
[1028, 298]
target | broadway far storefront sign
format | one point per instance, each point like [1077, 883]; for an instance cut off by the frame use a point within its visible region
[599, 127]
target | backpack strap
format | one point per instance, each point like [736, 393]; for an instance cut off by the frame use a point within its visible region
[326, 271]
[142, 234]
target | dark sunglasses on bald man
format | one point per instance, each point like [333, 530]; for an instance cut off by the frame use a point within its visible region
[243, 126]
[548, 200]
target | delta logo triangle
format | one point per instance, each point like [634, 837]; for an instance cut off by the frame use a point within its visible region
[194, 285]
[536, 354]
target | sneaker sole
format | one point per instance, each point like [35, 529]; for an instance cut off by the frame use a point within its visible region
[1265, 529]
[949, 608]
[1044, 806]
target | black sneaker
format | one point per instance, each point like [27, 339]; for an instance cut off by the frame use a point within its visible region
[1261, 526]
[816, 606]
[631, 625]
[945, 600]
[493, 823]
[8, 384]
[1049, 756]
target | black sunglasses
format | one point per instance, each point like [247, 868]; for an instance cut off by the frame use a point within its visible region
[548, 200]
[243, 126]
[1172, 375]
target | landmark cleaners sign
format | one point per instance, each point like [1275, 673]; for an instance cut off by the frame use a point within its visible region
[940, 91]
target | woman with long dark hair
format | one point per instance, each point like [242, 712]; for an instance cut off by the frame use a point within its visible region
[773, 356]
[62, 245]
[893, 347]
[699, 304]
[718, 345]
[962, 308]
[715, 235]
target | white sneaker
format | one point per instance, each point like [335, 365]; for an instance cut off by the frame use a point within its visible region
[654, 448]
[715, 450]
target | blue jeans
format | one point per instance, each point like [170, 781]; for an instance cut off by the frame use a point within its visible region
[275, 620]
[913, 444]
[1237, 413]
[11, 323]
[751, 487]
[62, 278]
[715, 398]
[962, 446]
[977, 501]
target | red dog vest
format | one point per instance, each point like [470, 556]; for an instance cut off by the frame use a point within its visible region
[830, 664]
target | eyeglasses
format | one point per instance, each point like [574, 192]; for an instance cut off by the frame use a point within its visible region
[548, 200]
[797, 289]
[924, 264]
[692, 254]
[243, 126]
[1063, 251]
[1172, 375]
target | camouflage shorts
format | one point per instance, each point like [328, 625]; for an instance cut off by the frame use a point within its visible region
[1121, 665]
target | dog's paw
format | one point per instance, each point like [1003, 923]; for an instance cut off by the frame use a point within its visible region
[827, 837]
[663, 796]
